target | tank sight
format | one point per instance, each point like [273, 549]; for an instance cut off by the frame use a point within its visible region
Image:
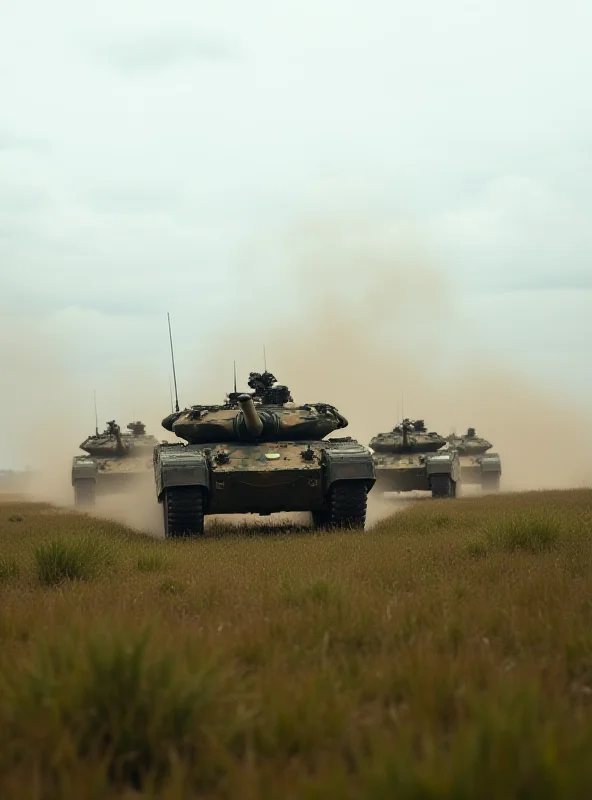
[268, 390]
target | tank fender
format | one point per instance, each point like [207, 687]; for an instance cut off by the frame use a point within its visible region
[349, 462]
[491, 462]
[180, 465]
[443, 462]
[84, 468]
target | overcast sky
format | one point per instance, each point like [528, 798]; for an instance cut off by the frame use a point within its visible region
[152, 156]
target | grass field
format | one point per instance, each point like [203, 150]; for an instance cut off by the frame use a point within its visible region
[445, 653]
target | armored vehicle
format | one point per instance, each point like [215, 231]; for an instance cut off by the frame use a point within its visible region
[477, 465]
[409, 458]
[260, 453]
[113, 460]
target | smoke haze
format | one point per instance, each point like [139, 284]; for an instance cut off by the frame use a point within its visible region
[375, 329]
[356, 315]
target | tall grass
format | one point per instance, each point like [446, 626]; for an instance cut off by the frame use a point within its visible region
[444, 653]
[151, 562]
[110, 700]
[60, 561]
[9, 569]
[530, 531]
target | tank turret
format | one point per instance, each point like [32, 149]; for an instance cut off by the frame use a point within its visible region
[411, 436]
[267, 414]
[115, 444]
[469, 443]
[108, 443]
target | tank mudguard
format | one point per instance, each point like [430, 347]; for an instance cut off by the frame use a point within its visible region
[491, 463]
[180, 465]
[443, 463]
[84, 468]
[351, 462]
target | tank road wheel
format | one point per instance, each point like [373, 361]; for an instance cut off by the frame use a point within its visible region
[490, 483]
[443, 486]
[347, 505]
[84, 493]
[183, 508]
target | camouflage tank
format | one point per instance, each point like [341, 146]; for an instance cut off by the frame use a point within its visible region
[260, 453]
[409, 458]
[113, 461]
[477, 465]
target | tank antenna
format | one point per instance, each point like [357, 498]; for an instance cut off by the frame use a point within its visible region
[235, 377]
[171, 393]
[173, 362]
[96, 415]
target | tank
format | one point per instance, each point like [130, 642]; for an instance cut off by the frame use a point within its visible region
[477, 465]
[409, 458]
[259, 452]
[112, 462]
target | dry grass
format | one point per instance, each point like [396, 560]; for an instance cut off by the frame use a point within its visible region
[445, 653]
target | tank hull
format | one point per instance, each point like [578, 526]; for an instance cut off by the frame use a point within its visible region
[96, 477]
[266, 491]
[402, 480]
[484, 470]
[262, 477]
[438, 473]
[398, 448]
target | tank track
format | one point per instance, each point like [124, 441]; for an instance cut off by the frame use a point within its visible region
[84, 493]
[183, 508]
[347, 505]
[443, 486]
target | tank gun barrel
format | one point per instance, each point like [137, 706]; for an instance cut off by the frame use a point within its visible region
[120, 445]
[405, 433]
[253, 422]
[114, 430]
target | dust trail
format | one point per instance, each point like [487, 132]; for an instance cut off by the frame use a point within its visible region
[361, 317]
[52, 413]
[351, 312]
[136, 507]
[45, 412]
[380, 506]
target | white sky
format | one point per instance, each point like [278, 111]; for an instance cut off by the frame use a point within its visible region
[151, 154]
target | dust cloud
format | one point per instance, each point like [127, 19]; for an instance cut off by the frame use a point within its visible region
[351, 312]
[372, 326]
[53, 412]
[136, 507]
[41, 396]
